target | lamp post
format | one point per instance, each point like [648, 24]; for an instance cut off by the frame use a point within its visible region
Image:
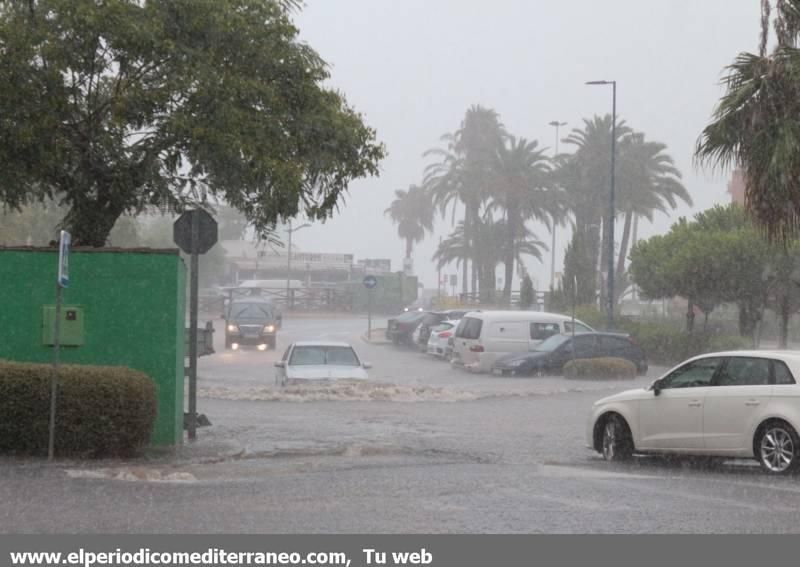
[290, 230]
[611, 210]
[556, 124]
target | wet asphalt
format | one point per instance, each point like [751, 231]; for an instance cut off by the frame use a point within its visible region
[421, 448]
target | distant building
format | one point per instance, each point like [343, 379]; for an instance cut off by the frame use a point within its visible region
[259, 261]
[376, 266]
[736, 187]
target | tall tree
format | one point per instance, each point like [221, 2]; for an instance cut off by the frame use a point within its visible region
[412, 212]
[114, 107]
[755, 125]
[521, 190]
[648, 181]
[463, 171]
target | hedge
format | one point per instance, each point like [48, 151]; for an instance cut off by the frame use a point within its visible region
[667, 344]
[101, 411]
[594, 368]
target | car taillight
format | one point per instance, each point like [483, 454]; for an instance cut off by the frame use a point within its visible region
[445, 334]
[476, 348]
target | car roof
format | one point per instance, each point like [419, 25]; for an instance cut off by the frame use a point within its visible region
[521, 315]
[322, 343]
[790, 357]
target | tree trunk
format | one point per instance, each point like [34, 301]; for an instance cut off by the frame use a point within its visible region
[465, 265]
[623, 249]
[90, 222]
[690, 316]
[635, 240]
[783, 339]
[509, 260]
[409, 248]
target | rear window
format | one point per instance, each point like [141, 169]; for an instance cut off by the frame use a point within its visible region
[469, 328]
[782, 373]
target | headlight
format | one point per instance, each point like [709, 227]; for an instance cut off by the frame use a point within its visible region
[269, 328]
[233, 329]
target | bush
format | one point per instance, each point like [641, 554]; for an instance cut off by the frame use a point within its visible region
[600, 368]
[101, 411]
[669, 343]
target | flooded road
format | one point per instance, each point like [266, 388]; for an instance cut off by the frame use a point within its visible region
[421, 447]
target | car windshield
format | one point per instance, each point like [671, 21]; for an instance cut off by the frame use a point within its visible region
[551, 343]
[317, 355]
[251, 311]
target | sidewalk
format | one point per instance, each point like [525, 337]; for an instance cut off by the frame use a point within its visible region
[377, 337]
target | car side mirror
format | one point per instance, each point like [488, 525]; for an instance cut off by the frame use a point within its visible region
[367, 365]
[656, 387]
[280, 364]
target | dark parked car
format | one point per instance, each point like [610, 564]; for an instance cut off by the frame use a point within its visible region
[432, 319]
[399, 329]
[551, 354]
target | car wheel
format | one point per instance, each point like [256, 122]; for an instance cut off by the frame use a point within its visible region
[616, 443]
[228, 344]
[776, 447]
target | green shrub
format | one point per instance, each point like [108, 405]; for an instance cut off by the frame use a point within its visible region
[599, 368]
[101, 411]
[668, 342]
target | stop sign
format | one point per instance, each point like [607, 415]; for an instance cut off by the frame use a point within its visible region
[206, 234]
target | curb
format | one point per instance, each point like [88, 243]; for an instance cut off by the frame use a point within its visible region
[373, 341]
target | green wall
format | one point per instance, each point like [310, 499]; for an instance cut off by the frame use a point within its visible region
[133, 303]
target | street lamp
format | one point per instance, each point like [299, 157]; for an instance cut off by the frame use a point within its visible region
[611, 210]
[556, 124]
[291, 230]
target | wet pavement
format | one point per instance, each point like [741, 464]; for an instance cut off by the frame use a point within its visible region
[420, 448]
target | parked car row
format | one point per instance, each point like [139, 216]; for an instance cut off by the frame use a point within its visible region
[510, 343]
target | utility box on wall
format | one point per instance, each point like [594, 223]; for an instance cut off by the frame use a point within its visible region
[71, 328]
[123, 307]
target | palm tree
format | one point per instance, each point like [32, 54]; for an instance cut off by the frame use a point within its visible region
[489, 250]
[648, 181]
[462, 172]
[755, 125]
[412, 212]
[522, 191]
[585, 177]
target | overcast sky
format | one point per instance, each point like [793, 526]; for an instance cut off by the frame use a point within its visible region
[413, 67]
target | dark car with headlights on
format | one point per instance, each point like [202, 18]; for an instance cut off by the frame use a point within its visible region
[550, 355]
[252, 321]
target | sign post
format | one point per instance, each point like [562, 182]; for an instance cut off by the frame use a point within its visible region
[195, 232]
[62, 281]
[370, 282]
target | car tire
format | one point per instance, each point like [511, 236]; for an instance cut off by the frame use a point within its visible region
[271, 343]
[616, 442]
[228, 344]
[776, 446]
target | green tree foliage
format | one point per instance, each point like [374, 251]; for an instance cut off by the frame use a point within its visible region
[718, 258]
[412, 212]
[462, 173]
[646, 181]
[755, 125]
[114, 107]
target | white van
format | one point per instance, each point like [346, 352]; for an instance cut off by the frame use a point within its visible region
[483, 336]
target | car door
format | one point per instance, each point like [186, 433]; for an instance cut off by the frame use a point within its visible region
[672, 419]
[732, 407]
